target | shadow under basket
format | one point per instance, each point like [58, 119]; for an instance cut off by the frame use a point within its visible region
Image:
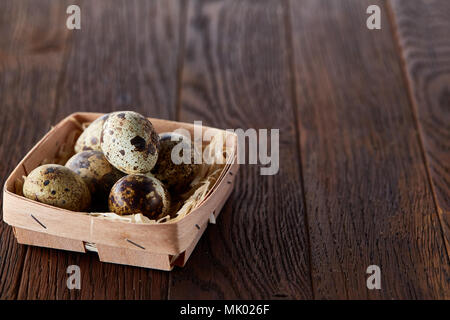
[158, 246]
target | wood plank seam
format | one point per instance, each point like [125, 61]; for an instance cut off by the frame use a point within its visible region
[22, 278]
[414, 111]
[149, 34]
[181, 47]
[20, 267]
[366, 188]
[293, 84]
[62, 73]
[67, 48]
[235, 75]
[35, 50]
[179, 85]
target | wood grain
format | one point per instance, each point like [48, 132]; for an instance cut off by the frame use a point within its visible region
[236, 75]
[30, 61]
[363, 126]
[423, 29]
[367, 194]
[125, 57]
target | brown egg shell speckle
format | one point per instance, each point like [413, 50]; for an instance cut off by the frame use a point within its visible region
[90, 138]
[129, 142]
[174, 176]
[96, 171]
[58, 186]
[137, 193]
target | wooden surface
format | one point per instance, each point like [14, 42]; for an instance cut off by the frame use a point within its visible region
[422, 31]
[363, 119]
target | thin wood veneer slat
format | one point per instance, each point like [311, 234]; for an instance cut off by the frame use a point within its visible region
[30, 61]
[423, 29]
[125, 57]
[367, 194]
[237, 75]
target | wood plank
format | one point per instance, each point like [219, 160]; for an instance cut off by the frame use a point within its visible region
[237, 75]
[31, 58]
[124, 57]
[423, 29]
[367, 194]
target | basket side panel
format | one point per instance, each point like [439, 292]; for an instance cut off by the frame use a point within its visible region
[26, 214]
[34, 216]
[187, 227]
[131, 257]
[40, 239]
[159, 238]
[184, 258]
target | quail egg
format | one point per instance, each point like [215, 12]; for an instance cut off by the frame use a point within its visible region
[90, 138]
[174, 173]
[98, 174]
[138, 193]
[58, 186]
[129, 142]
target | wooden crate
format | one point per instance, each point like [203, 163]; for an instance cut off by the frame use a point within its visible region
[157, 246]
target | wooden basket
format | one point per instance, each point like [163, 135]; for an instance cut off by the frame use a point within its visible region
[158, 246]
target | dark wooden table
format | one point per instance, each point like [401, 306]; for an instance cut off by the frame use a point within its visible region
[364, 121]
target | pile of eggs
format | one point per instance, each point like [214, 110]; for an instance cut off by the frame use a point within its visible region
[120, 162]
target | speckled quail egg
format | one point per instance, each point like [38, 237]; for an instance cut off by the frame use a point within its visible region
[96, 171]
[90, 138]
[129, 142]
[138, 193]
[58, 186]
[175, 176]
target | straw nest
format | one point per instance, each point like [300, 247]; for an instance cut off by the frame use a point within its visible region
[208, 176]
